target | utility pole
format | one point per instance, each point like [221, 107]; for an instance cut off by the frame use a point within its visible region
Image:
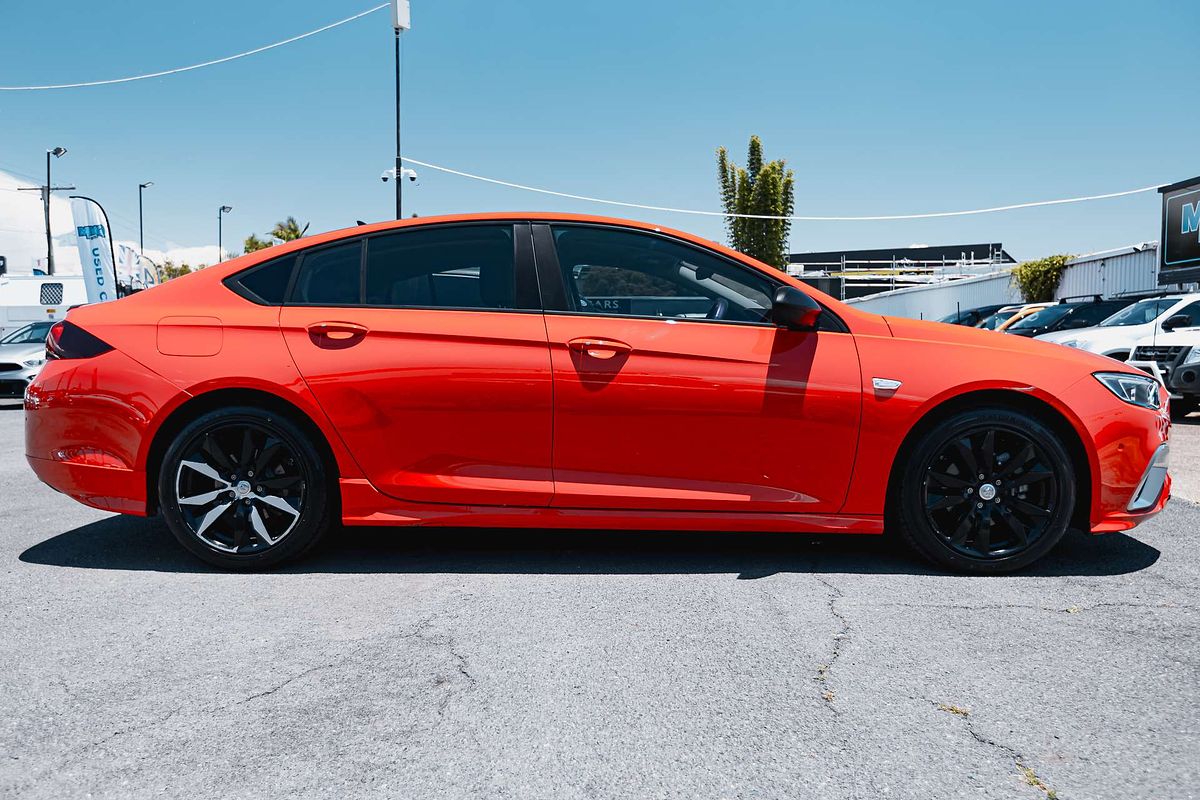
[57, 152]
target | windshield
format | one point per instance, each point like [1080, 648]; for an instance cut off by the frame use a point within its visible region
[1140, 313]
[1040, 319]
[995, 320]
[34, 332]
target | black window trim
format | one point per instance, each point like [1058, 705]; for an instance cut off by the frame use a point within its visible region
[550, 273]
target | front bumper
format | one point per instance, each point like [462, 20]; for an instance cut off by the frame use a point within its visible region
[1123, 442]
[14, 382]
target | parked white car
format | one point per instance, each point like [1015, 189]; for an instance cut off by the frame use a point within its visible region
[1173, 357]
[1116, 336]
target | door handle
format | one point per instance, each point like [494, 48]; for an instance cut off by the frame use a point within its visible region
[336, 334]
[602, 349]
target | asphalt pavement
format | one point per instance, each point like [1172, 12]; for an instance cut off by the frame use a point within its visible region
[500, 664]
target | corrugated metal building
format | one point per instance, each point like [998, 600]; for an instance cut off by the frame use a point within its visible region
[1112, 272]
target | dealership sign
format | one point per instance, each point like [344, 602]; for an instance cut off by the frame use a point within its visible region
[1179, 251]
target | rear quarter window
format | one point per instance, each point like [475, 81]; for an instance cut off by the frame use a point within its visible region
[267, 283]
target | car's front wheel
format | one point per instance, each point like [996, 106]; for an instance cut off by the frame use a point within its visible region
[244, 488]
[986, 491]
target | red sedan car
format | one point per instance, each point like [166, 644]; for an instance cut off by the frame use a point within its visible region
[542, 370]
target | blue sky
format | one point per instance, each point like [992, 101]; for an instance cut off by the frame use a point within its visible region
[879, 107]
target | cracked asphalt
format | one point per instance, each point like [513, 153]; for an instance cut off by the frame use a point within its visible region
[443, 664]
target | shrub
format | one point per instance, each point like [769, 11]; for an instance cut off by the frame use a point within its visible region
[1038, 280]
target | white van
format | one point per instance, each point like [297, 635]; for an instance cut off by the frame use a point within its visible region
[35, 298]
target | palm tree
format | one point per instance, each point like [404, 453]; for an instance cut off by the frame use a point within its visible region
[286, 231]
[289, 230]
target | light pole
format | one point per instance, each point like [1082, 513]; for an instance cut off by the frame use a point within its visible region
[221, 212]
[141, 225]
[401, 21]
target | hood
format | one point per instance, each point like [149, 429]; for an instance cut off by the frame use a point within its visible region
[22, 352]
[1074, 333]
[991, 340]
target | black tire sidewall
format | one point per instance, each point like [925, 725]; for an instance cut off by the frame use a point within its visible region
[313, 516]
[920, 534]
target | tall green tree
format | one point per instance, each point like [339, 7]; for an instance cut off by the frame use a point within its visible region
[763, 189]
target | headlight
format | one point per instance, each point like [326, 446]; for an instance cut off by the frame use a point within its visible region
[1139, 390]
[1193, 356]
[34, 362]
[1070, 343]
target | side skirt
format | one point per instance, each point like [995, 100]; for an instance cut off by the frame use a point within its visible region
[363, 505]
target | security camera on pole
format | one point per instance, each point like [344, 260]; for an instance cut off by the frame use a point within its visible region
[401, 21]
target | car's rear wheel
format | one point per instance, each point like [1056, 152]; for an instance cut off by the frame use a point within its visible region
[244, 488]
[986, 491]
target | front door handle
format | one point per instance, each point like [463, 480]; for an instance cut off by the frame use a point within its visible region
[336, 334]
[602, 349]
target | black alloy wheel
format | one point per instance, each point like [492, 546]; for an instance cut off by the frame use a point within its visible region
[243, 488]
[987, 491]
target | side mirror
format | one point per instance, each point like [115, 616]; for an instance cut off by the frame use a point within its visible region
[1177, 321]
[794, 309]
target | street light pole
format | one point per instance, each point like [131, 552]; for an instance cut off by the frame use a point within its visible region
[399, 182]
[141, 226]
[401, 21]
[221, 212]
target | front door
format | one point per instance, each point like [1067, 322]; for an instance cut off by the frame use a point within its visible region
[428, 353]
[672, 390]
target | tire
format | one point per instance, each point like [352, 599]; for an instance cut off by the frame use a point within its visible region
[224, 513]
[1184, 406]
[1009, 519]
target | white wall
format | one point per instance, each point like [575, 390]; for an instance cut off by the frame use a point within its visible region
[941, 299]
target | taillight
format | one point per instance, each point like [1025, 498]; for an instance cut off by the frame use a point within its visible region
[67, 340]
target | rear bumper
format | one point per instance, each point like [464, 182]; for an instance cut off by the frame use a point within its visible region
[87, 426]
[105, 488]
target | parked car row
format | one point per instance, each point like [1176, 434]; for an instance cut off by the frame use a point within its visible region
[1159, 334]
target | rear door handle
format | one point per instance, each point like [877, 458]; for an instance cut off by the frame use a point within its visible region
[602, 349]
[336, 334]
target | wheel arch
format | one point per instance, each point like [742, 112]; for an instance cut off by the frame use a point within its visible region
[1022, 401]
[203, 403]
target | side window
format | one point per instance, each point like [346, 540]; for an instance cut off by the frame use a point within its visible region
[330, 276]
[267, 283]
[457, 266]
[635, 274]
[1191, 310]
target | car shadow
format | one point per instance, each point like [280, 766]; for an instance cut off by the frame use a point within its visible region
[132, 543]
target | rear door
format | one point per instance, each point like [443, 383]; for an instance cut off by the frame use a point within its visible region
[673, 391]
[427, 350]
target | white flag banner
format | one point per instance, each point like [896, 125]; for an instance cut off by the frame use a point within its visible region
[401, 20]
[127, 266]
[95, 251]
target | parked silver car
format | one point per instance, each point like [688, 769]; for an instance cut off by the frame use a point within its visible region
[22, 354]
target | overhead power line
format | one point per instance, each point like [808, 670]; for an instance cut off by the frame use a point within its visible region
[798, 217]
[201, 65]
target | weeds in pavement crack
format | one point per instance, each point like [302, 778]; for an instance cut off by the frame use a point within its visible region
[1027, 773]
[839, 640]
